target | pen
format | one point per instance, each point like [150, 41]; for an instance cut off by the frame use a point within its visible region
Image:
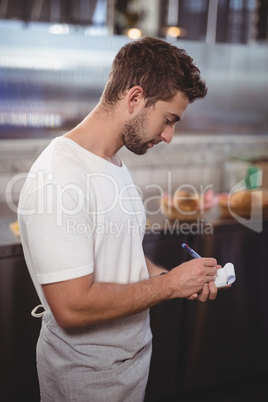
[190, 251]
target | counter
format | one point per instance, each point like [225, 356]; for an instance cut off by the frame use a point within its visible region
[214, 345]
[196, 345]
[19, 330]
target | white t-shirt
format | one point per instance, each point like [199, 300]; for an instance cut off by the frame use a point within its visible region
[79, 214]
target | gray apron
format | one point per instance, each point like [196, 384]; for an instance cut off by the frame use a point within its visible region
[71, 370]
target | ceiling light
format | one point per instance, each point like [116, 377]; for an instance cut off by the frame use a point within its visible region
[134, 33]
[59, 29]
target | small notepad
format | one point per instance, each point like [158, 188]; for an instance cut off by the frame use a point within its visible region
[225, 276]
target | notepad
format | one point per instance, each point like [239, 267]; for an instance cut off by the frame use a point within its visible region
[225, 276]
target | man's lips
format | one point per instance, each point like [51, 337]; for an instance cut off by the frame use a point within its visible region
[151, 144]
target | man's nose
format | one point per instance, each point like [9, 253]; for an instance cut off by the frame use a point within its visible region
[167, 134]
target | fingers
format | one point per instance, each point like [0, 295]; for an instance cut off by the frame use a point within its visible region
[213, 290]
[211, 275]
[209, 291]
[209, 262]
[203, 296]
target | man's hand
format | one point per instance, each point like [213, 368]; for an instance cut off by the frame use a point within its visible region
[195, 279]
[209, 290]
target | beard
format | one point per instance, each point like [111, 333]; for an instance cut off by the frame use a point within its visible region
[134, 133]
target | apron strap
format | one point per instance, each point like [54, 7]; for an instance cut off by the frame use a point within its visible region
[38, 315]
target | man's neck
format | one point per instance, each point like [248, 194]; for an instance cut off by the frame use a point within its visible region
[99, 133]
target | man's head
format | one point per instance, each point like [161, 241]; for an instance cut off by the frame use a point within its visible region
[159, 68]
[154, 124]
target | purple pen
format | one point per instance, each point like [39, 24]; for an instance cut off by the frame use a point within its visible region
[190, 251]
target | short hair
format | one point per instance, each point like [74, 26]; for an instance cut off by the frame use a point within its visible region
[161, 69]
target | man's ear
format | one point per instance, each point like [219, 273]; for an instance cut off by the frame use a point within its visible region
[135, 99]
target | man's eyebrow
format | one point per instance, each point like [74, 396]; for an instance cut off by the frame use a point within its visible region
[175, 116]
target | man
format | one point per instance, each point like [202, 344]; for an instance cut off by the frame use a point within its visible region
[82, 224]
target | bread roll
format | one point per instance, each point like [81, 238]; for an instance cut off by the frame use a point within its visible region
[186, 201]
[241, 199]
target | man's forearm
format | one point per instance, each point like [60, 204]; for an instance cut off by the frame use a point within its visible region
[105, 301]
[82, 302]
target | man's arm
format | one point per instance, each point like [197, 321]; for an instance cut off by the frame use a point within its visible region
[81, 301]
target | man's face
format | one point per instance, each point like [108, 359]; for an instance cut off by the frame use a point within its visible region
[154, 124]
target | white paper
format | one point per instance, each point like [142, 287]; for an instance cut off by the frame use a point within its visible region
[225, 276]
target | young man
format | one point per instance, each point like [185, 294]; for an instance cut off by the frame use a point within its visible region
[85, 258]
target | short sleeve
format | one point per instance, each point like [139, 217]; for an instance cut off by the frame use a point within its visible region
[60, 236]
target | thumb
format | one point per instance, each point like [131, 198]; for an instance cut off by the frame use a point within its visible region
[192, 297]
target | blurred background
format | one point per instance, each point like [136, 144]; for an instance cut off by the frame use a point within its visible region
[55, 58]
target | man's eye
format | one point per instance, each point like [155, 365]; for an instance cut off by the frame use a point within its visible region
[169, 122]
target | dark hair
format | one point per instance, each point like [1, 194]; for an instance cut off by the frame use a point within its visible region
[160, 68]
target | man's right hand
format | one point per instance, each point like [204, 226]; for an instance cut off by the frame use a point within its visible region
[194, 279]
